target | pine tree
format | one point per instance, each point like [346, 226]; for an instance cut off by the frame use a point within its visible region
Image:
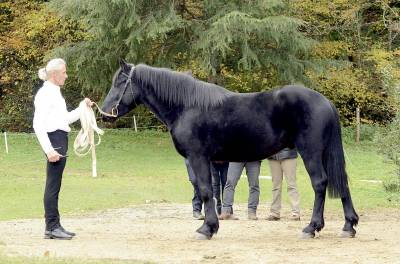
[243, 35]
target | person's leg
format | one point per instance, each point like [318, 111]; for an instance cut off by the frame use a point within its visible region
[253, 173]
[59, 141]
[197, 203]
[277, 175]
[51, 192]
[289, 170]
[234, 173]
[223, 172]
[216, 185]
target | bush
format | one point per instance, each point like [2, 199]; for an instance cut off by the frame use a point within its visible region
[388, 143]
[348, 89]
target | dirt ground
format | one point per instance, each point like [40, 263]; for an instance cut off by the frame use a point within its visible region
[164, 233]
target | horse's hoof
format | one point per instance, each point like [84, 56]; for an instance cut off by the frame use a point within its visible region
[305, 235]
[200, 236]
[347, 234]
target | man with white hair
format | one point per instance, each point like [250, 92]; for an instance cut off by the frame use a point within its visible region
[51, 124]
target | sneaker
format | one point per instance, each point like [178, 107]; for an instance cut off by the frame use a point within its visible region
[295, 218]
[198, 215]
[252, 216]
[272, 218]
[227, 216]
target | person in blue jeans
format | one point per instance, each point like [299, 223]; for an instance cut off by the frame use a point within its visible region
[197, 203]
[234, 172]
[219, 172]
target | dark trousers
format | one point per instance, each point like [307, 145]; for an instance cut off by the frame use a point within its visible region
[219, 172]
[197, 203]
[59, 141]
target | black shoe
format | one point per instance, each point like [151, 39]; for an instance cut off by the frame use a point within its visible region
[67, 232]
[57, 234]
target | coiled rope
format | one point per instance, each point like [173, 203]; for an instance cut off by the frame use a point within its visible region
[85, 140]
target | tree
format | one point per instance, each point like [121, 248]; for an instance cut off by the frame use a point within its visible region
[357, 35]
[28, 32]
[237, 35]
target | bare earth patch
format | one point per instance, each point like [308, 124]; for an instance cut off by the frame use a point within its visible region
[164, 233]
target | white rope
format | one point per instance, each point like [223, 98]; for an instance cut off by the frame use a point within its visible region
[104, 113]
[84, 141]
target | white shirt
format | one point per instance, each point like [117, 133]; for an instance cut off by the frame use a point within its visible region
[51, 114]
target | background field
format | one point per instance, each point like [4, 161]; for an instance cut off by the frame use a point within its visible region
[137, 167]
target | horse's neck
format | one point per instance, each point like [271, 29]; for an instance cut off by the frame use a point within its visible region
[166, 113]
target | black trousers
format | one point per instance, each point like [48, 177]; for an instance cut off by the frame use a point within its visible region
[59, 141]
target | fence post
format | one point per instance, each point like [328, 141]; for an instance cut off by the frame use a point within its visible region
[134, 123]
[5, 140]
[358, 124]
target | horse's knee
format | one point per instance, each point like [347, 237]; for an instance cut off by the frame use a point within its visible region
[205, 192]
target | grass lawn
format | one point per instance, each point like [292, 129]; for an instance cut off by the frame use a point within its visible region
[135, 167]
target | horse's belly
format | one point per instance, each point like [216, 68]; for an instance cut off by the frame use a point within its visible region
[248, 150]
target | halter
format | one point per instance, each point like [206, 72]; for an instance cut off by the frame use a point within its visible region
[114, 110]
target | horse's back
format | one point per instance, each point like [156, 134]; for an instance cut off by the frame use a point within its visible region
[252, 126]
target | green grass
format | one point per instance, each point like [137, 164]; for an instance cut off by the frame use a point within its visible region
[135, 167]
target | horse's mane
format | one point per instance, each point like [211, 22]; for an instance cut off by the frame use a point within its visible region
[180, 88]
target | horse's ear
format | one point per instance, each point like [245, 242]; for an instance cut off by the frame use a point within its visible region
[123, 64]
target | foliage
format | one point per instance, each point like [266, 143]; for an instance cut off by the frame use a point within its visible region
[28, 32]
[238, 35]
[388, 142]
[245, 46]
[368, 133]
[347, 89]
[357, 37]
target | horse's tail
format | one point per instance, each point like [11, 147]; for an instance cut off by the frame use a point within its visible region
[334, 162]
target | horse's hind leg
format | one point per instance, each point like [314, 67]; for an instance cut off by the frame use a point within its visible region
[201, 168]
[319, 181]
[351, 217]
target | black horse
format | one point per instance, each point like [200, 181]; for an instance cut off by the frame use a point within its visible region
[209, 123]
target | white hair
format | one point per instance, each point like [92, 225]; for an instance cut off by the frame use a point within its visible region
[52, 65]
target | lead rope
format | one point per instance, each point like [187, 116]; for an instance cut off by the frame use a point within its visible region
[84, 141]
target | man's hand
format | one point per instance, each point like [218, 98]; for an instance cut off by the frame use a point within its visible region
[88, 102]
[53, 156]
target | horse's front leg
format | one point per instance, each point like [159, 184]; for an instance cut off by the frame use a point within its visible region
[201, 168]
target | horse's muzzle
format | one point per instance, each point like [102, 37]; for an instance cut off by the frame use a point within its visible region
[108, 119]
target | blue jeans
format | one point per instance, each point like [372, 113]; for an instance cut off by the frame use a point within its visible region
[197, 203]
[234, 173]
[219, 171]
